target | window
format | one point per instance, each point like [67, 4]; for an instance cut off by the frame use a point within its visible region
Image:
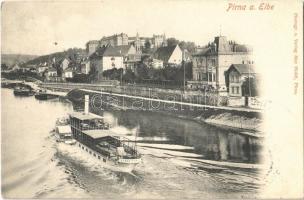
[237, 90]
[243, 62]
[213, 62]
[232, 90]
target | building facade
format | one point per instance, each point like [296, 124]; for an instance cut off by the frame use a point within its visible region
[235, 77]
[91, 46]
[105, 58]
[64, 63]
[115, 40]
[211, 62]
[85, 67]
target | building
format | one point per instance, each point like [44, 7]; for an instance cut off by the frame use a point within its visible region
[52, 75]
[130, 56]
[85, 67]
[42, 69]
[211, 62]
[170, 55]
[115, 40]
[16, 67]
[64, 63]
[157, 63]
[92, 46]
[159, 41]
[105, 58]
[155, 41]
[68, 73]
[235, 77]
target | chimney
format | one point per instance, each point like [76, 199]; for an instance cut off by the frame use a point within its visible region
[86, 104]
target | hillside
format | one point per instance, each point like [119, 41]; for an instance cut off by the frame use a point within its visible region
[72, 53]
[11, 59]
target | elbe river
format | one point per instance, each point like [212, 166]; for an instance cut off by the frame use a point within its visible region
[175, 157]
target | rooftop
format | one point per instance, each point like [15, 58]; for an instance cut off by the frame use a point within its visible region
[243, 68]
[64, 129]
[164, 53]
[100, 133]
[83, 116]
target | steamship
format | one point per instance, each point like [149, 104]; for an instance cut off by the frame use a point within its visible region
[110, 149]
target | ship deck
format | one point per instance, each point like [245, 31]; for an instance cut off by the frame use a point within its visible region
[100, 133]
[85, 116]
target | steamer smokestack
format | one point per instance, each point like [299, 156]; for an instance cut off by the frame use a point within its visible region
[86, 104]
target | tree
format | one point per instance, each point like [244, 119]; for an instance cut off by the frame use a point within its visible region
[172, 41]
[4, 66]
[250, 87]
[142, 71]
[190, 46]
[129, 76]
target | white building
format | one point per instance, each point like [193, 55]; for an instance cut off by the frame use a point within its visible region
[68, 73]
[85, 67]
[64, 63]
[170, 55]
[157, 63]
[106, 58]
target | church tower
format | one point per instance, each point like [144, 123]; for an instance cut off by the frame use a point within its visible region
[137, 43]
[164, 40]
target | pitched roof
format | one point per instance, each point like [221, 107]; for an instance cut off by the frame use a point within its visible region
[203, 51]
[123, 49]
[52, 70]
[164, 53]
[106, 51]
[243, 68]
[69, 69]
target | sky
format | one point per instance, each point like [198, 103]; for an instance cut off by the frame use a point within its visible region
[32, 27]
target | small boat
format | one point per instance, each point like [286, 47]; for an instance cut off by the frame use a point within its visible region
[44, 95]
[62, 121]
[63, 134]
[110, 149]
[23, 91]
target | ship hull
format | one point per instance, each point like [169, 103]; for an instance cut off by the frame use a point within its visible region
[107, 163]
[22, 93]
[45, 96]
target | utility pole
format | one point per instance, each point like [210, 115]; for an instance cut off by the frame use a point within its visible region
[183, 61]
[249, 82]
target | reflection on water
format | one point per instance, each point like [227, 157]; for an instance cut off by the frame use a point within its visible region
[174, 157]
[209, 141]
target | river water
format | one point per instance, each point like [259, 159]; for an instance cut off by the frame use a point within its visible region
[180, 157]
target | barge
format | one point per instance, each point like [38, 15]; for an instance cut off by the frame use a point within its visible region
[110, 149]
[44, 95]
[23, 91]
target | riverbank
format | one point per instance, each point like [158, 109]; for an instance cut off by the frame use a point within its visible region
[246, 120]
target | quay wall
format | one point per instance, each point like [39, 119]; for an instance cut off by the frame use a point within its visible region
[202, 107]
[241, 119]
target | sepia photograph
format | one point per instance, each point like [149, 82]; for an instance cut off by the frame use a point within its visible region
[142, 99]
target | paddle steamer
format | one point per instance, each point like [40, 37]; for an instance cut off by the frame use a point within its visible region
[93, 136]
